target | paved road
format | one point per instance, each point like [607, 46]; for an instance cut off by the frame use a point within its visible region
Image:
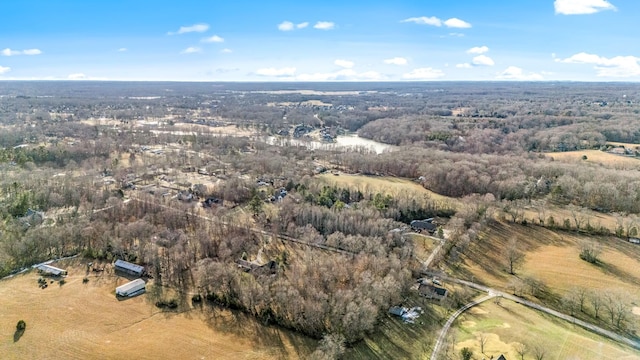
[452, 318]
[596, 329]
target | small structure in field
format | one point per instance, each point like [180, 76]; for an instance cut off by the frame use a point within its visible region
[51, 270]
[131, 288]
[129, 268]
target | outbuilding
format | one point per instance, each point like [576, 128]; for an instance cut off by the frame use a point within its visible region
[129, 268]
[131, 288]
[51, 270]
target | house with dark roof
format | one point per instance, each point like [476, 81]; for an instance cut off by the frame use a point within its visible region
[424, 225]
[432, 292]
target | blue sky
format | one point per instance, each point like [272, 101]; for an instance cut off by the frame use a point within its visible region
[329, 40]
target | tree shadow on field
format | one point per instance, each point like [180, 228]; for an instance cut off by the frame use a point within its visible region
[17, 335]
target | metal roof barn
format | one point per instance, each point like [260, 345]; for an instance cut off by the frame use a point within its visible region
[129, 268]
[51, 270]
[131, 288]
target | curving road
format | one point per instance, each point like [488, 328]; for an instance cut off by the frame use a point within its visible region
[452, 318]
[596, 329]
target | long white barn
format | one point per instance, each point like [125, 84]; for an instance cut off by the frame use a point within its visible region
[51, 270]
[131, 288]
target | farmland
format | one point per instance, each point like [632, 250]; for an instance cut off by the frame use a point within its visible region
[85, 320]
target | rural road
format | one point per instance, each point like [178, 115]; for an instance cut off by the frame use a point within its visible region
[596, 329]
[452, 318]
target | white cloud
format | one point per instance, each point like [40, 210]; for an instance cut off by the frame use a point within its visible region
[9, 52]
[396, 61]
[482, 60]
[478, 50]
[191, 50]
[344, 63]
[434, 21]
[81, 76]
[212, 39]
[188, 29]
[226, 51]
[341, 75]
[464, 66]
[618, 66]
[282, 72]
[581, 7]
[289, 26]
[77, 76]
[324, 25]
[31, 52]
[423, 20]
[4, 69]
[122, 49]
[516, 73]
[286, 26]
[423, 74]
[457, 23]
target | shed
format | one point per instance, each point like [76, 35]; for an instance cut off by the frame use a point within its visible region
[397, 310]
[129, 268]
[51, 270]
[131, 288]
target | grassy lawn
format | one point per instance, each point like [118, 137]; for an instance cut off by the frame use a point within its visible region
[385, 184]
[597, 157]
[508, 324]
[552, 258]
[395, 339]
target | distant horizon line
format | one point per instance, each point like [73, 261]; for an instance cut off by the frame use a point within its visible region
[325, 82]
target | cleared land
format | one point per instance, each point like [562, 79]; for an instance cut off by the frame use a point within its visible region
[552, 258]
[605, 159]
[386, 184]
[86, 321]
[508, 324]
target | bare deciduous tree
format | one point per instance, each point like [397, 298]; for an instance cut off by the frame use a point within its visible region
[513, 256]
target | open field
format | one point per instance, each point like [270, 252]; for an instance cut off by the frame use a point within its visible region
[596, 219]
[553, 258]
[625, 145]
[597, 157]
[386, 184]
[84, 321]
[508, 324]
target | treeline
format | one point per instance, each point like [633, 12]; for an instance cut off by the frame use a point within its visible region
[508, 177]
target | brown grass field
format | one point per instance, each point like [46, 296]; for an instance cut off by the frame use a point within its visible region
[553, 258]
[625, 145]
[385, 184]
[560, 213]
[86, 321]
[508, 324]
[597, 157]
